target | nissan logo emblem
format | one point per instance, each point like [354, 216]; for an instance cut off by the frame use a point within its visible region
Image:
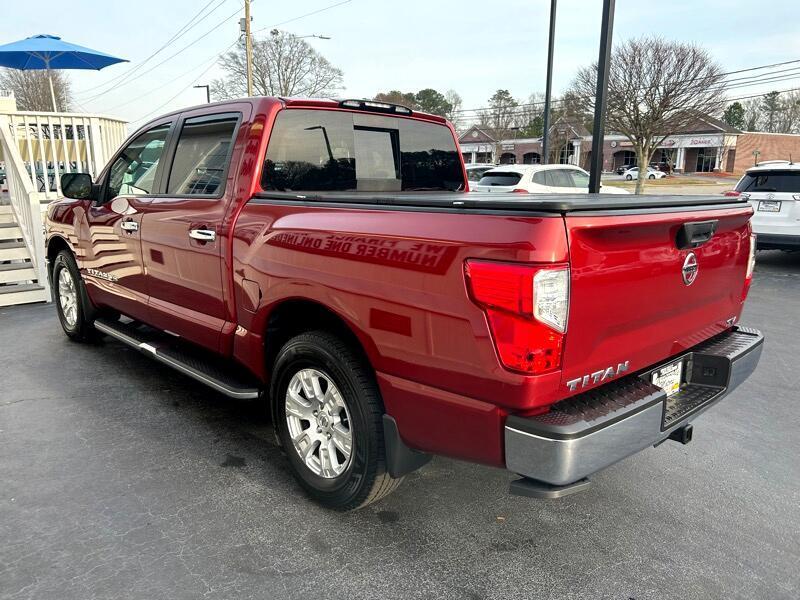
[689, 269]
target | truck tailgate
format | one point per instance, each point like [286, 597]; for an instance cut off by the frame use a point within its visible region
[629, 301]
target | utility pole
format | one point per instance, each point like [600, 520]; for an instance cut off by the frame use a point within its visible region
[603, 62]
[549, 85]
[248, 46]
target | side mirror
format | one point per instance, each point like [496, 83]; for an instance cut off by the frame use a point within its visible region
[78, 186]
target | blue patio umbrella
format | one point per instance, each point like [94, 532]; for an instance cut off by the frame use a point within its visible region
[50, 52]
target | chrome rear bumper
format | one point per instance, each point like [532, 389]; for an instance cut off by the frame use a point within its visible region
[595, 429]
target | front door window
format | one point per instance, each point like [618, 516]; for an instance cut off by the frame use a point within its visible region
[134, 171]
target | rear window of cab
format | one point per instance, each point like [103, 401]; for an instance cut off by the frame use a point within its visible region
[770, 181]
[337, 151]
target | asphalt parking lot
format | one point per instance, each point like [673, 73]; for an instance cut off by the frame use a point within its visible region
[122, 479]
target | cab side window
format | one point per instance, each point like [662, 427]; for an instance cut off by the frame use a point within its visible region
[202, 155]
[539, 177]
[133, 173]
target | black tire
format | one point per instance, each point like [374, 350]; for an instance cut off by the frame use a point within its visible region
[365, 479]
[628, 177]
[82, 329]
[652, 177]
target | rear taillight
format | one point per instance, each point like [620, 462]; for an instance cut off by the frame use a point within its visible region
[733, 193]
[527, 308]
[751, 265]
[519, 191]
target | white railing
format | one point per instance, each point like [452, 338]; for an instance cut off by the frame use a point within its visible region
[25, 202]
[50, 144]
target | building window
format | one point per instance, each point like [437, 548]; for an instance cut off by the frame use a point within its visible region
[467, 157]
[483, 157]
[531, 158]
[566, 154]
[624, 158]
[507, 158]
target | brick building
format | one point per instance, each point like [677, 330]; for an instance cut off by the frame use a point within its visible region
[768, 146]
[705, 145]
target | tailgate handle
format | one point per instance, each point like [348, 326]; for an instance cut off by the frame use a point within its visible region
[692, 235]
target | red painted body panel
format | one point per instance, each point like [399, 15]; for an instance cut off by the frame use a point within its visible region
[395, 277]
[628, 301]
[397, 280]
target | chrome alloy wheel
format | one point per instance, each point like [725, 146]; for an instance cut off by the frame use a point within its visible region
[68, 297]
[319, 423]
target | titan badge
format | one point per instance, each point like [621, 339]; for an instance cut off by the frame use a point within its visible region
[598, 376]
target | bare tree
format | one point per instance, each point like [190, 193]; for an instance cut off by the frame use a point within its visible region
[530, 116]
[655, 88]
[407, 99]
[752, 114]
[501, 113]
[456, 102]
[283, 65]
[32, 89]
[789, 116]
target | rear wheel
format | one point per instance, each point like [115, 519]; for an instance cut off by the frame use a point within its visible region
[68, 297]
[652, 177]
[328, 415]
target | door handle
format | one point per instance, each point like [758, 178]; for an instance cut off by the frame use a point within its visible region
[129, 226]
[204, 235]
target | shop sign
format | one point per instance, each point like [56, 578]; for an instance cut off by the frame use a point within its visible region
[688, 141]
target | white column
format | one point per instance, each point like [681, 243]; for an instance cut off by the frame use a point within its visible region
[679, 160]
[576, 153]
[718, 159]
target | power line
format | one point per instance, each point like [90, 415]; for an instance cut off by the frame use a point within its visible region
[696, 79]
[189, 25]
[219, 55]
[184, 88]
[170, 57]
[150, 91]
[515, 113]
[315, 12]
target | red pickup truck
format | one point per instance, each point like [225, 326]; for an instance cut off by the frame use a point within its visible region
[326, 258]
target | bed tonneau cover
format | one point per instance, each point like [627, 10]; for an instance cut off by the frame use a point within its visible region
[547, 203]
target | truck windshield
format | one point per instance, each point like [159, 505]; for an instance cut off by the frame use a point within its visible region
[770, 181]
[336, 151]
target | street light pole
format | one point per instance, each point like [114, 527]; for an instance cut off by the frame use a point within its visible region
[603, 62]
[549, 84]
[208, 92]
[248, 46]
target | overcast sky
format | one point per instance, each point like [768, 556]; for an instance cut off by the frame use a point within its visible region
[470, 46]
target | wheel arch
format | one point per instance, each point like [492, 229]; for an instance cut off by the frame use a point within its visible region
[293, 316]
[55, 245]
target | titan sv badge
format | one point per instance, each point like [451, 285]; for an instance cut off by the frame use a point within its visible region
[598, 376]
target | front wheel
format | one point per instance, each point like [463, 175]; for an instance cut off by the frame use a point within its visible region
[66, 289]
[652, 177]
[628, 177]
[328, 415]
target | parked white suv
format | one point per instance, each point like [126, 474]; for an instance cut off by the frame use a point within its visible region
[773, 189]
[475, 171]
[539, 179]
